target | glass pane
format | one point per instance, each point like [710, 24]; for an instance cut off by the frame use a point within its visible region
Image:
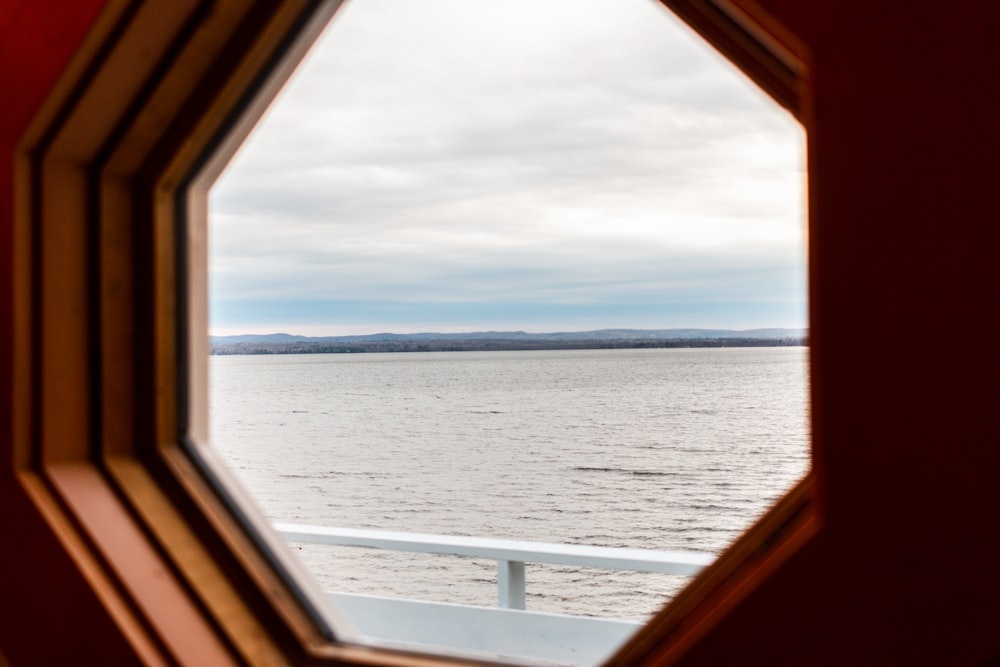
[524, 271]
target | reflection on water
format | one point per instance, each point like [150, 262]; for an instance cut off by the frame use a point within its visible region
[675, 449]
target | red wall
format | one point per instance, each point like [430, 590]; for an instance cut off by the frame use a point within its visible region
[48, 614]
[904, 137]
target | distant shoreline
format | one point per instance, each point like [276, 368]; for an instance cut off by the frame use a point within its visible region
[487, 344]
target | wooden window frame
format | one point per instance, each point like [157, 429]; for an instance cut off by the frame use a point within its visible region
[110, 199]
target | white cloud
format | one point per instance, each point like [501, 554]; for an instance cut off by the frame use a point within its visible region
[450, 150]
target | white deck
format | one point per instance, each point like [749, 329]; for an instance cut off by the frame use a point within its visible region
[505, 632]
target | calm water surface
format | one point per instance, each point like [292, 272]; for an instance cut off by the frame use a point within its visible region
[675, 449]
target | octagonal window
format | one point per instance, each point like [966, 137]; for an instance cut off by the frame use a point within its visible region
[508, 309]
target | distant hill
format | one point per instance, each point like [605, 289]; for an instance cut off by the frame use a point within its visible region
[260, 338]
[284, 343]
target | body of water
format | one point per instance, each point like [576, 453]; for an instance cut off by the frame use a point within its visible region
[677, 449]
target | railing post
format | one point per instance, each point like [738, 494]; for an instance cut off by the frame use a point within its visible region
[510, 584]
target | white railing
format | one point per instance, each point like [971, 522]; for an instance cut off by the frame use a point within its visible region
[510, 555]
[508, 632]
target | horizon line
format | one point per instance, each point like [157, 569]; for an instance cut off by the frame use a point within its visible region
[507, 331]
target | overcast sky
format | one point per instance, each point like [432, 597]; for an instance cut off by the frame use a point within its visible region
[542, 165]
